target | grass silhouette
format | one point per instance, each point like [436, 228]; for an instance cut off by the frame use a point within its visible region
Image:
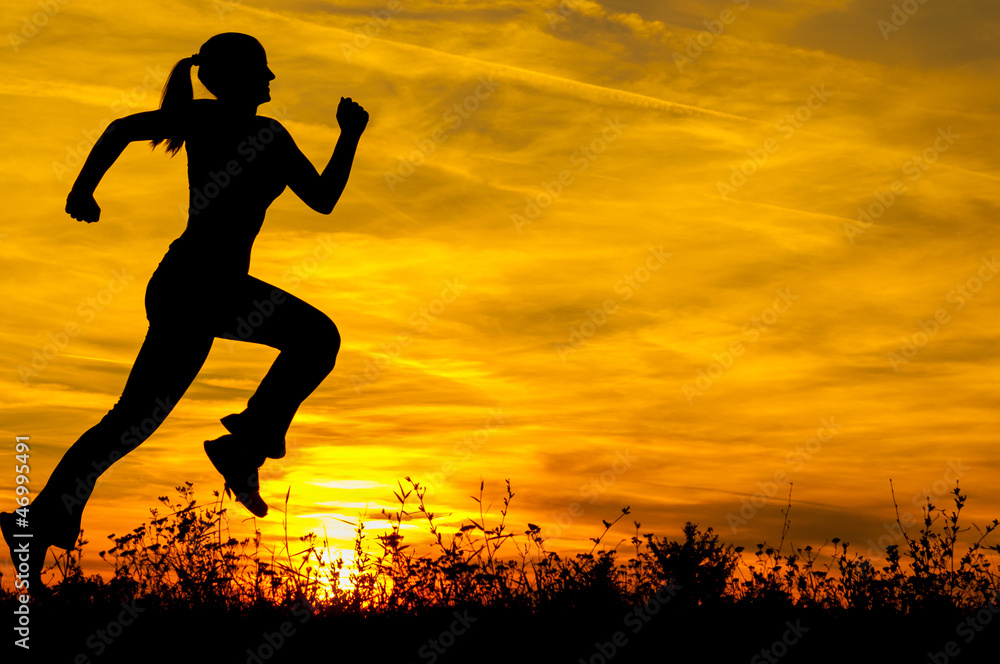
[487, 591]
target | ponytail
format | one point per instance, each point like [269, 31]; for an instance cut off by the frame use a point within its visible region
[177, 94]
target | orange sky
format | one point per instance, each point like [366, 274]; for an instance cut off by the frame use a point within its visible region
[592, 248]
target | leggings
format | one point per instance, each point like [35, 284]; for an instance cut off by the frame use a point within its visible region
[186, 311]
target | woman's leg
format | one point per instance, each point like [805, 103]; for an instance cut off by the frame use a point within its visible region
[308, 341]
[167, 363]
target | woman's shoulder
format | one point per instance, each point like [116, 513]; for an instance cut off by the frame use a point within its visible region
[204, 106]
[265, 121]
[269, 129]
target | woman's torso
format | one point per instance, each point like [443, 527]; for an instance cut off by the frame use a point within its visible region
[234, 173]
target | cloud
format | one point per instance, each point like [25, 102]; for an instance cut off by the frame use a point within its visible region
[537, 147]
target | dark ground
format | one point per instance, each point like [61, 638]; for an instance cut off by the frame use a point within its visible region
[63, 632]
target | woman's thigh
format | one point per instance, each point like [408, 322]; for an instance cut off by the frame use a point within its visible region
[236, 307]
[261, 313]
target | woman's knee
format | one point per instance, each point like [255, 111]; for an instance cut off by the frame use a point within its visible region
[326, 341]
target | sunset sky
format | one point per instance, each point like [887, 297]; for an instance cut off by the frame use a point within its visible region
[665, 255]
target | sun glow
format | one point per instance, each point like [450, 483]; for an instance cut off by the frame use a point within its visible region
[570, 238]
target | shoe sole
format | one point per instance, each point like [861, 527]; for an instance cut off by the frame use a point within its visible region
[247, 497]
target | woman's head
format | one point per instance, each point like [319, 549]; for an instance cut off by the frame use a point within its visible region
[233, 67]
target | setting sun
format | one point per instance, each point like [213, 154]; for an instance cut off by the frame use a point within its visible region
[697, 260]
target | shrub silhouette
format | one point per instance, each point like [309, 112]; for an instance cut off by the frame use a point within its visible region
[183, 561]
[185, 556]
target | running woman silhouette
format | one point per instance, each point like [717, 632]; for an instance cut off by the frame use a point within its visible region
[238, 163]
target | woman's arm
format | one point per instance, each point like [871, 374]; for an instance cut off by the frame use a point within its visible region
[80, 203]
[321, 192]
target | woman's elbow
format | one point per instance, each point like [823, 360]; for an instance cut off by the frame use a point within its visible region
[324, 205]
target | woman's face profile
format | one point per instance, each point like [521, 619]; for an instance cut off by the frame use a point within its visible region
[244, 76]
[257, 77]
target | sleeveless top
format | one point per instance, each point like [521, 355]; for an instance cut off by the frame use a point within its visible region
[234, 173]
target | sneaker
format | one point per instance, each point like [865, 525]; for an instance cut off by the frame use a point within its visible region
[37, 547]
[239, 470]
[236, 425]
